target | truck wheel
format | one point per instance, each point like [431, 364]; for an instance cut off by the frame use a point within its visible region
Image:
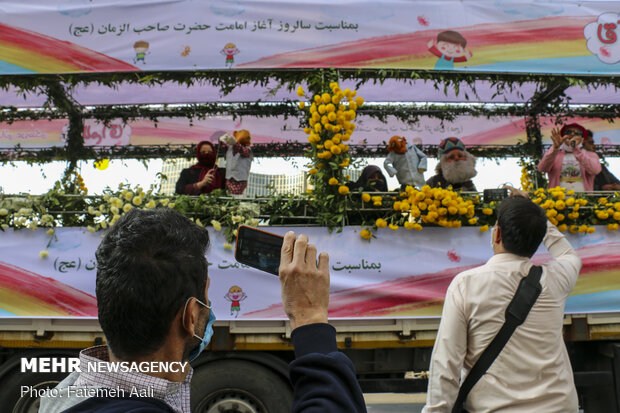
[238, 386]
[11, 390]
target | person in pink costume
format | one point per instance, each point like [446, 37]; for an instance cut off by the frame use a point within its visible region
[566, 163]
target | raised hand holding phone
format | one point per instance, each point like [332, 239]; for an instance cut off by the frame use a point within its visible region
[305, 285]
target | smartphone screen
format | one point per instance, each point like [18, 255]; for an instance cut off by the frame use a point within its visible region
[498, 194]
[258, 249]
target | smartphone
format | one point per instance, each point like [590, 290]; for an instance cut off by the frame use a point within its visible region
[258, 249]
[495, 194]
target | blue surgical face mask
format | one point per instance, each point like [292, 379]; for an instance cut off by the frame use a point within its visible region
[206, 338]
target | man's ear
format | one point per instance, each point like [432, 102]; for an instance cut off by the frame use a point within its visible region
[189, 318]
[498, 235]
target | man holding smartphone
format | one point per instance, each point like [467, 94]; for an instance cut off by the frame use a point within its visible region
[323, 378]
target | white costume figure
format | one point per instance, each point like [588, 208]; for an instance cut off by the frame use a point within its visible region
[407, 162]
[238, 160]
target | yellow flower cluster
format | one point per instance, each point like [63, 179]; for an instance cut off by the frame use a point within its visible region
[436, 206]
[562, 208]
[607, 212]
[526, 181]
[330, 125]
[79, 182]
[126, 199]
[443, 207]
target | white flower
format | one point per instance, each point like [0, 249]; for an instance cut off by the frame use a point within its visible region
[216, 225]
[252, 222]
[114, 201]
[43, 254]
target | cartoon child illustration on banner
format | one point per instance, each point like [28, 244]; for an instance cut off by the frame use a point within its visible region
[230, 50]
[235, 296]
[449, 48]
[141, 47]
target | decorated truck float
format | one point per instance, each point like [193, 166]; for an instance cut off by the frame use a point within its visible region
[91, 82]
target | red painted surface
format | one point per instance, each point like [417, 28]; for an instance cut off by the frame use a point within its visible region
[44, 289]
[81, 58]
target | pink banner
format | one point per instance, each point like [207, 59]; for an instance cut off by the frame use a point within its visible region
[429, 131]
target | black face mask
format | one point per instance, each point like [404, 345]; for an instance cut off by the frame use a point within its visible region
[206, 159]
[377, 184]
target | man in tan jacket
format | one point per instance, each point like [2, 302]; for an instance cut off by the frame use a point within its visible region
[533, 372]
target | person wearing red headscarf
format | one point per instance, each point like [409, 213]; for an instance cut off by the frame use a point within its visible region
[566, 164]
[204, 176]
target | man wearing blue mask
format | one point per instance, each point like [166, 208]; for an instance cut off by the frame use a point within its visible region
[154, 310]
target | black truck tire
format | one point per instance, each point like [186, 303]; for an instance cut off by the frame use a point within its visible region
[239, 386]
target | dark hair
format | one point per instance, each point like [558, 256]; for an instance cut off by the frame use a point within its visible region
[148, 264]
[523, 225]
[367, 173]
[453, 37]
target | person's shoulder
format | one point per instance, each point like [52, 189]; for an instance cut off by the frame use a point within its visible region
[481, 274]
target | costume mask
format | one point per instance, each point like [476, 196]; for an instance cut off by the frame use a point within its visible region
[398, 144]
[243, 137]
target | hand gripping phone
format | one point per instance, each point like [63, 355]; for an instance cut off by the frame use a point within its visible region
[258, 249]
